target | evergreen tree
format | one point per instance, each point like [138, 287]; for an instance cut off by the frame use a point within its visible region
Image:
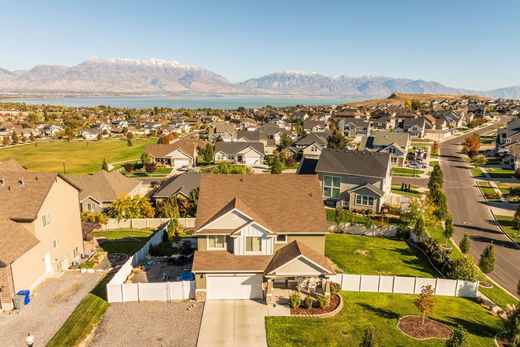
[104, 165]
[487, 260]
[336, 140]
[209, 153]
[465, 244]
[459, 338]
[448, 228]
[276, 165]
[129, 142]
[419, 228]
[369, 338]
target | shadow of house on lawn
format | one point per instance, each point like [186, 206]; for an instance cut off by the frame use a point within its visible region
[380, 312]
[472, 327]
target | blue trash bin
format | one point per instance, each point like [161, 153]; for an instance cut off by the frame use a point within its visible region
[27, 296]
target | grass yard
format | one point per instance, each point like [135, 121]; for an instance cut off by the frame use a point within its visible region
[376, 256]
[476, 172]
[358, 219]
[396, 188]
[159, 172]
[382, 311]
[497, 172]
[434, 163]
[80, 157]
[403, 171]
[506, 223]
[126, 241]
[489, 192]
[84, 318]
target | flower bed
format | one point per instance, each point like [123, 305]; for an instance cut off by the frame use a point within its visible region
[336, 304]
[431, 329]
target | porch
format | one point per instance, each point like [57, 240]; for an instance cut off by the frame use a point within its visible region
[279, 289]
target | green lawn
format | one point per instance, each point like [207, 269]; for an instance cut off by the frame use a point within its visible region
[159, 172]
[498, 296]
[376, 256]
[489, 192]
[476, 172]
[396, 188]
[115, 244]
[434, 163]
[84, 318]
[506, 223]
[404, 171]
[80, 157]
[382, 311]
[358, 219]
[497, 172]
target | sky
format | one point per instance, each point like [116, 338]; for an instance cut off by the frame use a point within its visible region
[465, 44]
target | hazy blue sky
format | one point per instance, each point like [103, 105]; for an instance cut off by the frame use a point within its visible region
[471, 44]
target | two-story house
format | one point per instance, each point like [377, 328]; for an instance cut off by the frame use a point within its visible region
[395, 143]
[353, 179]
[310, 146]
[40, 228]
[256, 233]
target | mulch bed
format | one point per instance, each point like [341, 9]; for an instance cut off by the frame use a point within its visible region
[412, 326]
[485, 284]
[334, 302]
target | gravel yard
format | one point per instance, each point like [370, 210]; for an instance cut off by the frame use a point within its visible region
[149, 324]
[51, 304]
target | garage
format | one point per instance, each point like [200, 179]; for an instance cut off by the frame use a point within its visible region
[252, 161]
[178, 163]
[234, 286]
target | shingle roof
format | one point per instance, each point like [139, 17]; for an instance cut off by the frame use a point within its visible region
[15, 241]
[183, 184]
[223, 261]
[104, 186]
[160, 150]
[357, 163]
[307, 166]
[384, 138]
[294, 250]
[286, 203]
[251, 136]
[236, 147]
[312, 138]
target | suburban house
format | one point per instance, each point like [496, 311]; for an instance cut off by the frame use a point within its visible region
[508, 136]
[353, 127]
[100, 190]
[40, 228]
[223, 131]
[358, 180]
[249, 153]
[310, 146]
[180, 153]
[395, 143]
[415, 127]
[258, 233]
[180, 185]
[314, 126]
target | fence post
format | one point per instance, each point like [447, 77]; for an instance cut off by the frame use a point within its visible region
[138, 292]
[393, 284]
[456, 288]
[360, 282]
[379, 285]
[415, 286]
[436, 285]
[343, 285]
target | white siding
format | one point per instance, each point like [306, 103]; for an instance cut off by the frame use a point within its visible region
[253, 230]
[231, 220]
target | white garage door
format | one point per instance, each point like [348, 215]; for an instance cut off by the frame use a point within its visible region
[252, 161]
[234, 287]
[178, 163]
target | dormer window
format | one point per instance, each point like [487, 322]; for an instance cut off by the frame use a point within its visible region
[253, 244]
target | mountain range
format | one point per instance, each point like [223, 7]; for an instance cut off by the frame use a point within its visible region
[156, 76]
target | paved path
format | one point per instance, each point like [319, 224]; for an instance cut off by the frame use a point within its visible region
[473, 216]
[51, 304]
[233, 323]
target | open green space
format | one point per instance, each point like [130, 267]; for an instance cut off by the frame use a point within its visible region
[126, 241]
[434, 163]
[376, 256]
[381, 311]
[498, 172]
[396, 188]
[79, 157]
[349, 217]
[489, 191]
[506, 222]
[404, 171]
[476, 172]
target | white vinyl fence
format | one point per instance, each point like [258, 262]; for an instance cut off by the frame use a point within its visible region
[119, 291]
[142, 223]
[405, 285]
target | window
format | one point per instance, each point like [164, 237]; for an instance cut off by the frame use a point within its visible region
[364, 200]
[253, 244]
[392, 150]
[55, 242]
[91, 207]
[394, 160]
[46, 219]
[281, 238]
[216, 241]
[331, 187]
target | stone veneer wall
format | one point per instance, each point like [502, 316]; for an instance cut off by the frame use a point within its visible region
[6, 288]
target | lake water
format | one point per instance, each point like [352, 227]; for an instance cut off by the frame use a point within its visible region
[227, 102]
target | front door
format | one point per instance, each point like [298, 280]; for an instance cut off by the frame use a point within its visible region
[47, 262]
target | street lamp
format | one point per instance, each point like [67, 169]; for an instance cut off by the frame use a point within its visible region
[29, 340]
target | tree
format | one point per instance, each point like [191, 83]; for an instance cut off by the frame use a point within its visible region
[209, 155]
[129, 135]
[194, 202]
[150, 167]
[276, 165]
[419, 228]
[471, 145]
[145, 158]
[465, 244]
[129, 142]
[173, 229]
[5, 140]
[104, 165]
[14, 137]
[369, 338]
[435, 148]
[33, 138]
[425, 301]
[441, 212]
[487, 260]
[512, 327]
[448, 228]
[464, 269]
[99, 136]
[516, 219]
[459, 338]
[339, 215]
[285, 141]
[478, 160]
[337, 140]
[436, 178]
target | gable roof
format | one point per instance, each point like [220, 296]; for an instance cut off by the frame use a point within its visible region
[183, 184]
[237, 147]
[294, 250]
[283, 203]
[356, 163]
[307, 166]
[312, 138]
[104, 186]
[384, 138]
[15, 241]
[160, 150]
[251, 136]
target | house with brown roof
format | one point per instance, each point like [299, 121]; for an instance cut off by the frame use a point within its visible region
[40, 228]
[100, 190]
[257, 233]
[181, 153]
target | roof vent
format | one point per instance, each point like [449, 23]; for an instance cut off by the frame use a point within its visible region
[21, 182]
[2, 181]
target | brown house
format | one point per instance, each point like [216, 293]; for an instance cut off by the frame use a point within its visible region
[258, 232]
[40, 228]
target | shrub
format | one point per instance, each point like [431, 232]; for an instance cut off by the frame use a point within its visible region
[307, 302]
[512, 328]
[369, 338]
[129, 167]
[295, 300]
[334, 288]
[150, 167]
[89, 264]
[464, 269]
[93, 217]
[402, 232]
[323, 301]
[439, 256]
[459, 338]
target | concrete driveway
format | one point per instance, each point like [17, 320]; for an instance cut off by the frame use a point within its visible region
[230, 323]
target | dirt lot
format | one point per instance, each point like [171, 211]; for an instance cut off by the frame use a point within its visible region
[149, 324]
[51, 304]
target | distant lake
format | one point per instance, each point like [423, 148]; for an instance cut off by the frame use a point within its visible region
[227, 102]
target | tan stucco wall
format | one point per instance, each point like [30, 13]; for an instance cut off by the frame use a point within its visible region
[200, 283]
[62, 203]
[315, 242]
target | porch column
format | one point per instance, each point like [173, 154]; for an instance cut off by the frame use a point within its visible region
[327, 287]
[269, 297]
